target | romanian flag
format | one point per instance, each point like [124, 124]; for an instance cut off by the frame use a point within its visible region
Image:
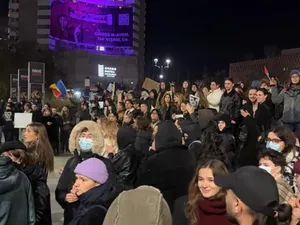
[266, 72]
[58, 89]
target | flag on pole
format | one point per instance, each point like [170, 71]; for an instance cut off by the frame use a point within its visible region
[58, 89]
[266, 72]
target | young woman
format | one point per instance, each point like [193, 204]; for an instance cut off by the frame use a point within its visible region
[205, 203]
[251, 105]
[281, 139]
[168, 109]
[36, 139]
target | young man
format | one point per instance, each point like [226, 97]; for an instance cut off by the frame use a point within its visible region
[252, 194]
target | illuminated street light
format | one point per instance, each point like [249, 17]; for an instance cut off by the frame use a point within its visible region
[166, 65]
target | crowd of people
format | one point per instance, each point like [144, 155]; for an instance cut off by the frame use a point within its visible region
[157, 158]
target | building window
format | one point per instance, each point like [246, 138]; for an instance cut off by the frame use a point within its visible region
[14, 1]
[43, 17]
[43, 7]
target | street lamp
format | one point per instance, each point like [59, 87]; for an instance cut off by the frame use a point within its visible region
[166, 65]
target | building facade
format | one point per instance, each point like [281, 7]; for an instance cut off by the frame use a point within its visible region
[279, 67]
[95, 39]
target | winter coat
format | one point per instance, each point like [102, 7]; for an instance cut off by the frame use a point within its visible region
[68, 178]
[214, 99]
[92, 206]
[143, 141]
[166, 113]
[170, 161]
[291, 101]
[41, 193]
[210, 212]
[127, 160]
[230, 105]
[16, 199]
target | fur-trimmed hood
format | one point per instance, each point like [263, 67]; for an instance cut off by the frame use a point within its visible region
[97, 136]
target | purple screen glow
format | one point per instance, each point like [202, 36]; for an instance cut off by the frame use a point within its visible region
[84, 24]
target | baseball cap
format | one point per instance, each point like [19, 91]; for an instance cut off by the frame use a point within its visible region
[255, 187]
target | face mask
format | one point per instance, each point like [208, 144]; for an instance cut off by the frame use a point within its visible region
[266, 168]
[85, 144]
[272, 145]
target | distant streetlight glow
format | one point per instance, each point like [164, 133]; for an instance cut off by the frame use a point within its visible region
[161, 76]
[168, 61]
[156, 60]
[162, 66]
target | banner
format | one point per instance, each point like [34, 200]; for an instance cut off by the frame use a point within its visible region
[36, 72]
[14, 86]
[22, 84]
[88, 24]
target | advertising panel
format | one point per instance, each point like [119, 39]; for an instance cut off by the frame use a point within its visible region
[14, 85]
[23, 84]
[88, 24]
[36, 72]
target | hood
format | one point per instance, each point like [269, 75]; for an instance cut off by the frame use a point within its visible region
[9, 176]
[126, 136]
[191, 129]
[167, 135]
[144, 205]
[97, 136]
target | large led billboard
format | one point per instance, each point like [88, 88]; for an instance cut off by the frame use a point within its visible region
[86, 24]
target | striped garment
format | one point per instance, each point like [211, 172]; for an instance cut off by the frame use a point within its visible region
[285, 191]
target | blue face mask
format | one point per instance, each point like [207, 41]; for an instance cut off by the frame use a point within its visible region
[272, 145]
[85, 144]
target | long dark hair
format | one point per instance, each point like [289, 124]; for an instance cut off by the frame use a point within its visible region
[287, 136]
[218, 169]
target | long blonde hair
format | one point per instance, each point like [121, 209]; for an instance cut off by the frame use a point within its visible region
[110, 130]
[42, 151]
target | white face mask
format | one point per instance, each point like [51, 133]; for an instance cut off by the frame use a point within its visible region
[266, 168]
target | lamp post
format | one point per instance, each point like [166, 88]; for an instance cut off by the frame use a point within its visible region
[165, 65]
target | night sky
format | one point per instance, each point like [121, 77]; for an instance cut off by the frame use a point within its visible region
[213, 33]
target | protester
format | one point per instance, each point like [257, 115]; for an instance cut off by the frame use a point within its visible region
[144, 205]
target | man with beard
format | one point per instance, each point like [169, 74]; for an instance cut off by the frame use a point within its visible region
[252, 197]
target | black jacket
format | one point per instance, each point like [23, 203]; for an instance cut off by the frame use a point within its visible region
[127, 160]
[230, 105]
[143, 141]
[41, 193]
[171, 167]
[67, 179]
[166, 113]
[16, 200]
[92, 206]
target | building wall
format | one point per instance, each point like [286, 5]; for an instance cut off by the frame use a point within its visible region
[78, 65]
[254, 70]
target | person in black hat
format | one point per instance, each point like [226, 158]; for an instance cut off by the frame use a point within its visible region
[17, 152]
[252, 197]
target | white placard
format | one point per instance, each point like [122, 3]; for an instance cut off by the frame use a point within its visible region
[194, 101]
[22, 120]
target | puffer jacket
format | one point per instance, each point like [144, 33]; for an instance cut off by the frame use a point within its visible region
[68, 178]
[127, 160]
[41, 193]
[16, 199]
[291, 101]
[230, 105]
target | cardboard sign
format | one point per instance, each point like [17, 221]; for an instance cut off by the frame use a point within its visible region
[150, 84]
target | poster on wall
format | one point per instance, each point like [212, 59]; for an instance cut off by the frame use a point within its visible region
[22, 84]
[14, 86]
[37, 91]
[91, 25]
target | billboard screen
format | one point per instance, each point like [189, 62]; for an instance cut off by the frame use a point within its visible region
[88, 24]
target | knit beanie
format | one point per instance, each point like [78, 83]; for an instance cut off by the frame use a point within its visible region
[295, 72]
[94, 169]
